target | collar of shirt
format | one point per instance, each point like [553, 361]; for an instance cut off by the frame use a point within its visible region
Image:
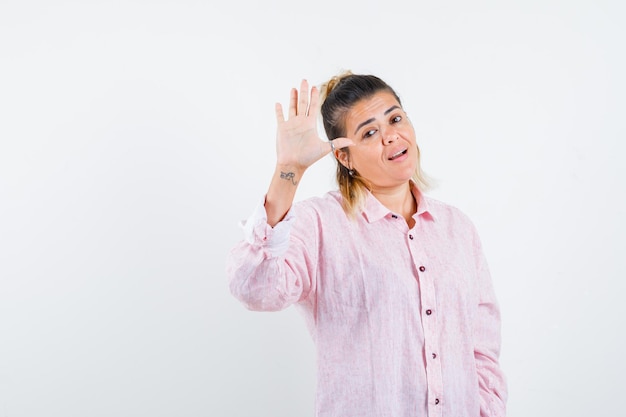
[374, 210]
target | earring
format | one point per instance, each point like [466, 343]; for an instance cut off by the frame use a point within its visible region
[351, 172]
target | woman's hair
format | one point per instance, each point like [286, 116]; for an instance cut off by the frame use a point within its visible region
[339, 96]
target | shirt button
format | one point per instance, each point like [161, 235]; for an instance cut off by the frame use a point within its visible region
[429, 312]
[422, 268]
[436, 400]
[434, 355]
[394, 216]
[411, 237]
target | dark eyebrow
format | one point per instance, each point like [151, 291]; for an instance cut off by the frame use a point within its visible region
[363, 124]
[389, 110]
[392, 108]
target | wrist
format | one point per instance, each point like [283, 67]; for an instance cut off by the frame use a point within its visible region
[289, 171]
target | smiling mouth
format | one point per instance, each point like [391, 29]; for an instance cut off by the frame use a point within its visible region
[396, 155]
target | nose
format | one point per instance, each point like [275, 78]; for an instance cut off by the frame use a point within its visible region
[390, 137]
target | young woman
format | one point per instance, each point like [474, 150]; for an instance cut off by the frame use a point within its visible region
[392, 283]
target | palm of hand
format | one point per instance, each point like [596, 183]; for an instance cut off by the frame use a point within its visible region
[297, 141]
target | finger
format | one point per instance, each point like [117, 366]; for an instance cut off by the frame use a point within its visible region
[337, 146]
[315, 99]
[340, 143]
[293, 102]
[303, 105]
[280, 116]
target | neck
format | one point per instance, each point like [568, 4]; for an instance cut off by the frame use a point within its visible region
[399, 200]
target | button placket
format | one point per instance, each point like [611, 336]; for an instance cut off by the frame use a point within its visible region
[430, 325]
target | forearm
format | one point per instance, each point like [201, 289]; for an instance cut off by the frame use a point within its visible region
[491, 380]
[281, 192]
[260, 282]
[260, 275]
[492, 383]
[487, 341]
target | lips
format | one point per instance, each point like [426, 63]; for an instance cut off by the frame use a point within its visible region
[397, 154]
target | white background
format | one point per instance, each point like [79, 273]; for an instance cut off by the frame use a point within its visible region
[134, 136]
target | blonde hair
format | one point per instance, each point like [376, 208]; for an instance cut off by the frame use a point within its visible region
[339, 95]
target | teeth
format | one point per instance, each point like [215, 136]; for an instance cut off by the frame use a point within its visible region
[395, 155]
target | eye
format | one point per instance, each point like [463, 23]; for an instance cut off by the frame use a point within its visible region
[396, 119]
[369, 133]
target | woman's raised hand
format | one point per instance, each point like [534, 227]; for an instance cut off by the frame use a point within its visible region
[298, 144]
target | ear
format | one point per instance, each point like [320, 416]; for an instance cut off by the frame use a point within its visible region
[343, 156]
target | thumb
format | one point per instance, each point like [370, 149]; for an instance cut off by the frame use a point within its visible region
[339, 143]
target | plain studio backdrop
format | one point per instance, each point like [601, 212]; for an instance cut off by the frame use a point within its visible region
[135, 136]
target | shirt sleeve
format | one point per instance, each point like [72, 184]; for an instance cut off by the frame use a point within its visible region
[487, 339]
[271, 268]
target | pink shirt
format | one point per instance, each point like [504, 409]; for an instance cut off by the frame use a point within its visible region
[405, 321]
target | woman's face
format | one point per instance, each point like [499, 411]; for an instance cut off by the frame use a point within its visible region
[385, 151]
